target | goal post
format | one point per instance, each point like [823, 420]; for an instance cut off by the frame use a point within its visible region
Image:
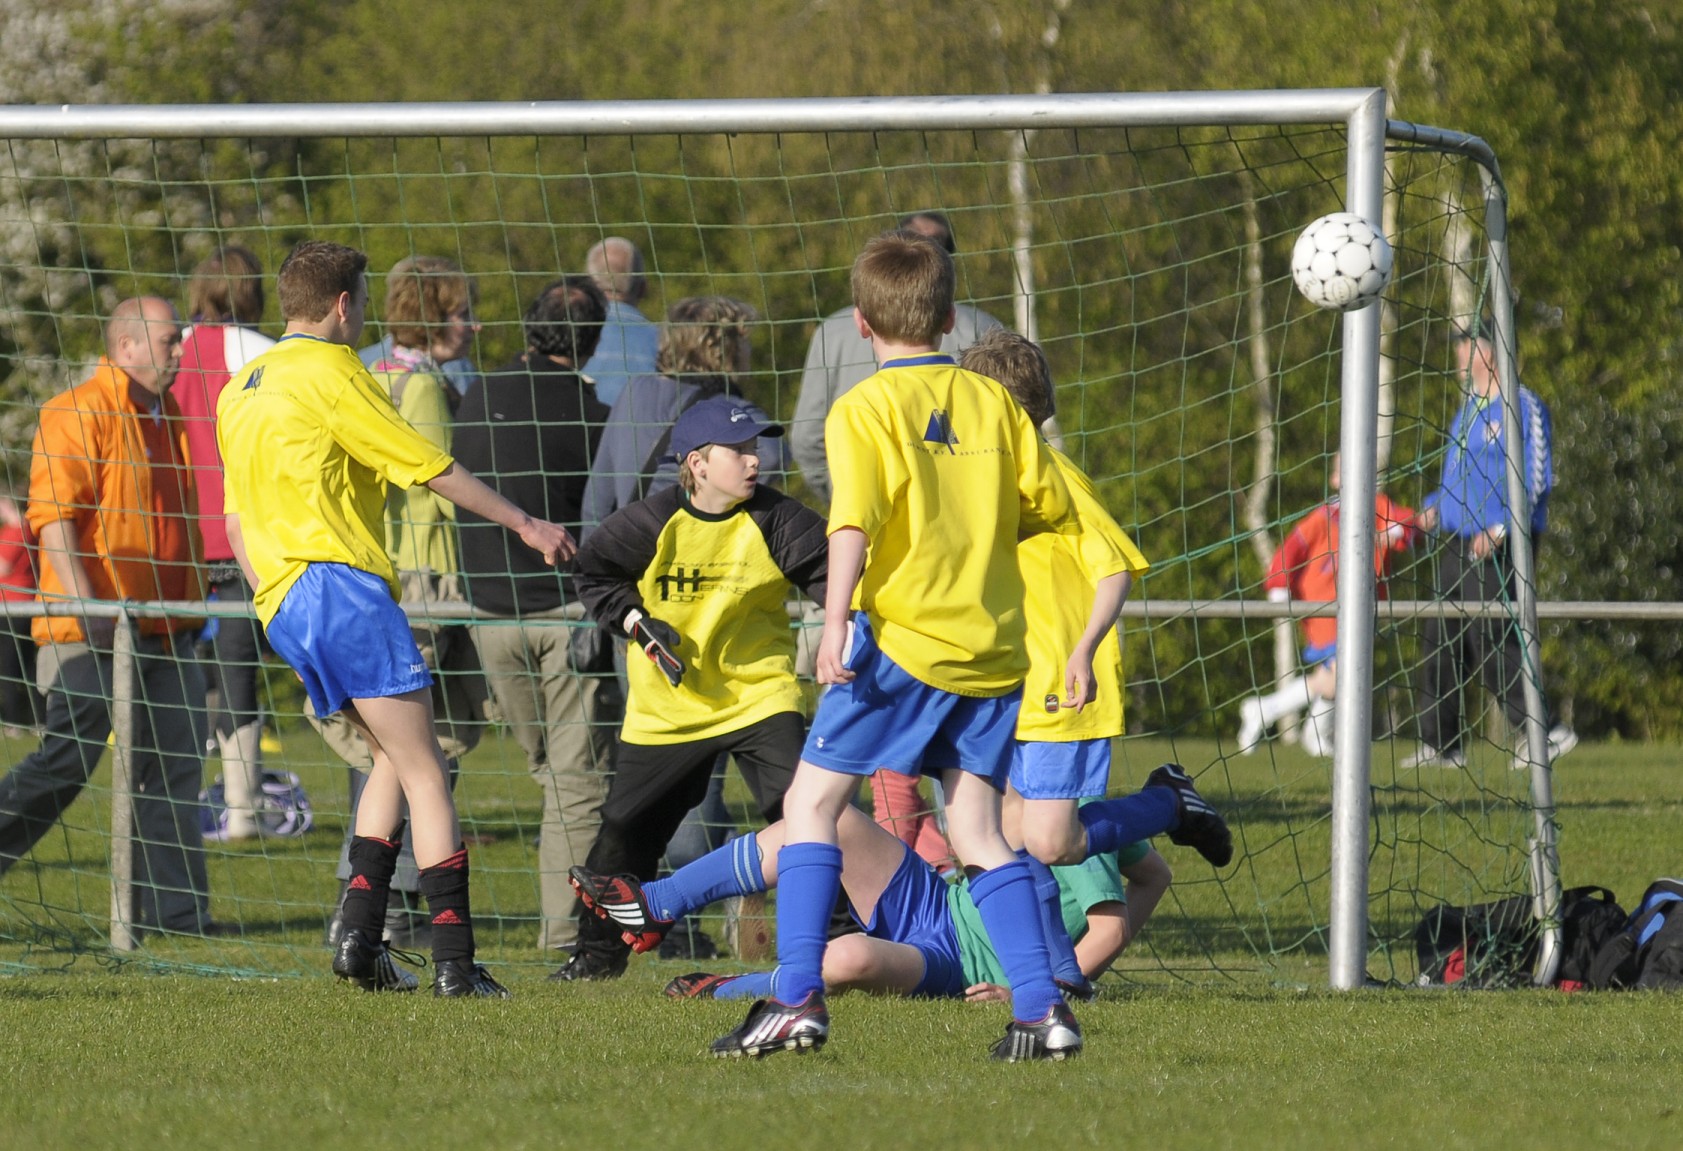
[1144, 235]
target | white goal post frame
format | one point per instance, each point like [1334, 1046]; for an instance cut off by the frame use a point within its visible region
[1363, 113]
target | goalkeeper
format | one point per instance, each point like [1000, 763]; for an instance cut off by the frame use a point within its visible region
[697, 576]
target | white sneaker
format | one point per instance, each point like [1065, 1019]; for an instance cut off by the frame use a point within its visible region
[1250, 726]
[1562, 739]
[1429, 756]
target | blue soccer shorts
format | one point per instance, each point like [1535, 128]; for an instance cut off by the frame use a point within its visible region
[885, 717]
[1319, 654]
[913, 910]
[345, 636]
[1073, 770]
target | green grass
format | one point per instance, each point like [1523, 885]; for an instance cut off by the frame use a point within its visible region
[1216, 1034]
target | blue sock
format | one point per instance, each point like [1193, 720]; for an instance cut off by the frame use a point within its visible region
[1010, 912]
[1064, 964]
[1114, 823]
[733, 869]
[754, 985]
[808, 881]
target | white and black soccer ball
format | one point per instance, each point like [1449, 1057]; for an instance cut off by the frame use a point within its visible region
[1341, 262]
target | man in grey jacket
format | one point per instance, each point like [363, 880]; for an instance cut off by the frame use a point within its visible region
[837, 359]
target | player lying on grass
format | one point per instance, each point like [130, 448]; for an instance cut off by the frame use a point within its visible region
[1075, 583]
[921, 935]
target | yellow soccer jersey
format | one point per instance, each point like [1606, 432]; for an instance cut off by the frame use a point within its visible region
[310, 441]
[943, 471]
[1060, 573]
[722, 581]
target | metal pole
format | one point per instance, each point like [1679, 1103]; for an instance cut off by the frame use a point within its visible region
[1544, 846]
[1351, 803]
[125, 935]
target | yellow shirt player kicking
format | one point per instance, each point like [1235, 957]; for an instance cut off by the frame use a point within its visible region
[311, 443]
[1072, 703]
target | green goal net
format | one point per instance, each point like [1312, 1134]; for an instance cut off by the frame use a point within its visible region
[1150, 259]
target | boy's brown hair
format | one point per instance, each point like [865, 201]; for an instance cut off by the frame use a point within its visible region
[1020, 367]
[312, 278]
[423, 292]
[903, 284]
[686, 477]
[226, 287]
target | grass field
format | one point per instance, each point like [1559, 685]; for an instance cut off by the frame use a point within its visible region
[1208, 1040]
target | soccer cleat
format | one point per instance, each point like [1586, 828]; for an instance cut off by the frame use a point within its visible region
[1429, 756]
[369, 963]
[1250, 726]
[1201, 826]
[695, 985]
[772, 1027]
[1083, 992]
[619, 900]
[465, 979]
[1057, 1037]
[588, 966]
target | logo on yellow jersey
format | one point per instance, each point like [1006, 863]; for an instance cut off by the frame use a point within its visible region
[940, 430]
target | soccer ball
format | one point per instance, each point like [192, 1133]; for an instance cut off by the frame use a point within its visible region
[1341, 262]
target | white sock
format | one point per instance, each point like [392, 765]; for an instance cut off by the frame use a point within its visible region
[1293, 696]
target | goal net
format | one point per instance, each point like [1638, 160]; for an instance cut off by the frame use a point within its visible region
[1145, 245]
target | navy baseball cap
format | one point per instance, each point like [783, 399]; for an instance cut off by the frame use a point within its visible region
[718, 420]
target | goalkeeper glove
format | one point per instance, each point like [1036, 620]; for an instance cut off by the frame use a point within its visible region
[659, 642]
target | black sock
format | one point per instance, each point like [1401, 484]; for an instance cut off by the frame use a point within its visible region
[445, 884]
[373, 861]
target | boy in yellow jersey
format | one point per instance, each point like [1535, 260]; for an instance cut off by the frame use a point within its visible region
[937, 472]
[310, 443]
[1072, 703]
[697, 576]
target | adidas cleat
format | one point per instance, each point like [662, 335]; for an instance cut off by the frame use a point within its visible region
[695, 985]
[1201, 826]
[465, 979]
[371, 964]
[1056, 1037]
[772, 1027]
[619, 900]
[1083, 992]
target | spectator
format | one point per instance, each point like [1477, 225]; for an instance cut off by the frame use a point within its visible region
[429, 311]
[105, 450]
[627, 346]
[530, 428]
[1305, 567]
[225, 302]
[1472, 510]
[704, 351]
[451, 361]
[20, 703]
[839, 358]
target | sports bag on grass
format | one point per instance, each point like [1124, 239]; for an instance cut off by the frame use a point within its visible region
[1491, 945]
[1648, 952]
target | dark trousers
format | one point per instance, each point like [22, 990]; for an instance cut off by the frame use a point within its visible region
[237, 650]
[655, 786]
[168, 762]
[1458, 648]
[20, 703]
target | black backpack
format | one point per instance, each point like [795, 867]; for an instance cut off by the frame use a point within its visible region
[1648, 952]
[1491, 945]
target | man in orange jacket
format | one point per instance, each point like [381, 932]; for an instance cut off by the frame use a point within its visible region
[111, 501]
